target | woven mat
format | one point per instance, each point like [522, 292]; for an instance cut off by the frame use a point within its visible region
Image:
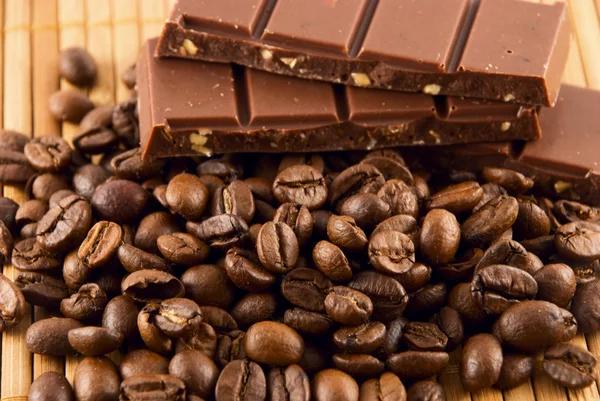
[112, 31]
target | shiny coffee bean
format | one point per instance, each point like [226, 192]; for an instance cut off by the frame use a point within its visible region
[48, 154]
[511, 180]
[366, 209]
[401, 223]
[298, 217]
[334, 385]
[220, 232]
[236, 198]
[230, 347]
[149, 386]
[570, 365]
[88, 178]
[121, 201]
[69, 105]
[310, 159]
[41, 289]
[219, 319]
[254, 308]
[143, 362]
[423, 336]
[439, 237]
[306, 288]
[87, 385]
[134, 259]
[358, 179]
[94, 341]
[579, 241]
[331, 261]
[14, 167]
[220, 168]
[556, 284]
[450, 323]
[457, 198]
[481, 362]
[386, 387]
[241, 379]
[197, 371]
[489, 222]
[277, 247]
[30, 211]
[178, 317]
[101, 116]
[307, 322]
[204, 339]
[187, 196]
[511, 253]
[208, 285]
[152, 336]
[120, 316]
[87, 304]
[288, 383]
[146, 285]
[391, 252]
[301, 184]
[586, 306]
[416, 278]
[463, 266]
[401, 198]
[12, 304]
[388, 296]
[39, 341]
[347, 306]
[153, 226]
[516, 370]
[359, 365]
[427, 300]
[463, 300]
[426, 390]
[130, 166]
[246, 271]
[43, 186]
[101, 244]
[343, 232]
[390, 167]
[96, 140]
[51, 386]
[364, 338]
[273, 343]
[182, 249]
[417, 365]
[77, 66]
[532, 221]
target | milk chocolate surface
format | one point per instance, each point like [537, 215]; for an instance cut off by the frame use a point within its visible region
[189, 108]
[507, 50]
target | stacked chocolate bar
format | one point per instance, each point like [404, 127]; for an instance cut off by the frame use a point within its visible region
[232, 76]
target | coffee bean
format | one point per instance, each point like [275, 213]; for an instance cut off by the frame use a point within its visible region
[481, 362]
[457, 198]
[569, 211]
[31, 211]
[43, 186]
[152, 336]
[306, 288]
[182, 249]
[29, 256]
[427, 300]
[450, 323]
[50, 386]
[12, 140]
[516, 370]
[386, 387]
[416, 278]
[296, 159]
[87, 178]
[121, 201]
[208, 285]
[288, 383]
[14, 168]
[390, 167]
[178, 317]
[221, 168]
[391, 252]
[146, 285]
[463, 300]
[125, 123]
[511, 253]
[366, 209]
[12, 304]
[511, 180]
[343, 232]
[426, 390]
[359, 365]
[261, 188]
[236, 198]
[8, 213]
[299, 219]
[143, 362]
[556, 284]
[579, 241]
[134, 259]
[439, 237]
[277, 247]
[65, 225]
[569, 365]
[364, 339]
[400, 197]
[48, 154]
[130, 166]
[219, 319]
[120, 316]
[348, 306]
[94, 341]
[254, 308]
[245, 270]
[77, 66]
[301, 184]
[42, 290]
[96, 140]
[69, 105]
[50, 336]
[586, 306]
[423, 336]
[204, 339]
[532, 221]
[6, 244]
[307, 322]
[489, 222]
[187, 196]
[529, 326]
[241, 379]
[87, 304]
[101, 116]
[101, 244]
[148, 386]
[388, 296]
[331, 261]
[220, 232]
[197, 371]
[334, 385]
[96, 378]
[402, 223]
[273, 343]
[417, 365]
[230, 347]
[358, 179]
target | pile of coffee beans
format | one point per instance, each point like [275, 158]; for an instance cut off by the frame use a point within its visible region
[344, 276]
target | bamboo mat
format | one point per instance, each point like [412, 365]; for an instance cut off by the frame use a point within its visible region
[112, 31]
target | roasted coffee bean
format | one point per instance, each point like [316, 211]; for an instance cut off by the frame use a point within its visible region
[96, 378]
[203, 339]
[542, 246]
[439, 237]
[511, 180]
[569, 212]
[219, 319]
[125, 122]
[143, 362]
[236, 198]
[570, 365]
[187, 196]
[306, 288]
[358, 179]
[120, 316]
[416, 278]
[310, 159]
[387, 387]
[134, 259]
[94, 341]
[29, 230]
[556, 284]
[273, 343]
[121, 201]
[511, 253]
[359, 365]
[101, 116]
[496, 287]
[489, 222]
[366, 209]
[43, 186]
[220, 168]
[101, 244]
[457, 198]
[246, 272]
[391, 153]
[463, 300]
[31, 211]
[12, 140]
[388, 296]
[254, 308]
[586, 306]
[290, 383]
[529, 326]
[417, 365]
[65, 225]
[261, 188]
[331, 261]
[48, 154]
[87, 178]
[12, 304]
[146, 285]
[153, 386]
[299, 219]
[277, 247]
[579, 241]
[87, 304]
[29, 256]
[426, 390]
[75, 272]
[241, 379]
[178, 317]
[6, 244]
[364, 339]
[423, 336]
[401, 223]
[516, 370]
[130, 166]
[532, 221]
[77, 66]
[463, 266]
[42, 290]
[153, 226]
[347, 306]
[391, 252]
[96, 140]
[585, 272]
[220, 232]
[69, 105]
[56, 197]
[343, 232]
[208, 285]
[450, 323]
[182, 249]
[8, 213]
[481, 362]
[334, 385]
[307, 322]
[51, 386]
[230, 347]
[152, 336]
[50, 336]
[197, 371]
[400, 197]
[14, 168]
[301, 184]
[390, 167]
[315, 358]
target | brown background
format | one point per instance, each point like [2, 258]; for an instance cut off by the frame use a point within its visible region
[112, 30]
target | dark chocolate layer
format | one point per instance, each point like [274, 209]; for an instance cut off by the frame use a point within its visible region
[506, 50]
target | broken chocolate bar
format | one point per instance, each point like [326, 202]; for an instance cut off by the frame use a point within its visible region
[565, 162]
[506, 50]
[189, 108]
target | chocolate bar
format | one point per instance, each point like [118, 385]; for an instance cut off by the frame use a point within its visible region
[504, 50]
[189, 108]
[565, 162]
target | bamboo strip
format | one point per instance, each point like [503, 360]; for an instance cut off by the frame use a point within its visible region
[16, 360]
[100, 45]
[521, 393]
[151, 10]
[127, 43]
[169, 4]
[450, 379]
[587, 29]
